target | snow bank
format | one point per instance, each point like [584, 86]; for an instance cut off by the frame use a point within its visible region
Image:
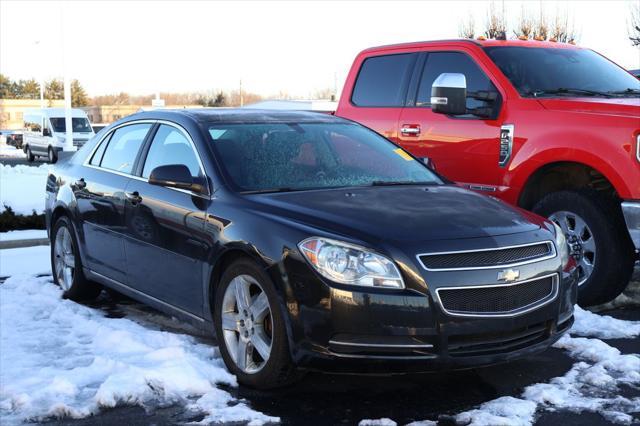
[11, 151]
[14, 262]
[589, 324]
[377, 422]
[23, 187]
[63, 359]
[26, 234]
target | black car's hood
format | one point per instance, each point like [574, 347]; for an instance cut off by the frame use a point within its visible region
[399, 213]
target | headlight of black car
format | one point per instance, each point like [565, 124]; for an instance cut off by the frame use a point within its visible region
[347, 263]
[561, 245]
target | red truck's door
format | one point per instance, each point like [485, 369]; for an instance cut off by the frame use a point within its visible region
[464, 149]
[379, 92]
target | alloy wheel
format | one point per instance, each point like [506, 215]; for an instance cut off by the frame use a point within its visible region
[582, 245]
[64, 260]
[247, 324]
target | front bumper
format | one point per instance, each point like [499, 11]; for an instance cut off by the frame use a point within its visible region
[631, 211]
[342, 330]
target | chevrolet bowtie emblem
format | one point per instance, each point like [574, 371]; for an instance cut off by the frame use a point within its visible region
[508, 275]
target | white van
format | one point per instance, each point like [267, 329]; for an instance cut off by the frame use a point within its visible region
[45, 132]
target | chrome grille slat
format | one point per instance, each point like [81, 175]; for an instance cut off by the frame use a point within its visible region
[500, 299]
[488, 258]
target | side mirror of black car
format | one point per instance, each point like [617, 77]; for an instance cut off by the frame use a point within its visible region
[449, 94]
[174, 176]
[46, 132]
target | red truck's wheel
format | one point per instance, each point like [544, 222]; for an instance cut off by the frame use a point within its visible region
[597, 239]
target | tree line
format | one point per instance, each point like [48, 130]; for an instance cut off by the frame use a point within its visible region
[527, 25]
[53, 89]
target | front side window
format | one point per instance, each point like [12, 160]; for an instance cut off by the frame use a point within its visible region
[120, 154]
[78, 124]
[283, 157]
[453, 62]
[170, 146]
[536, 72]
[382, 81]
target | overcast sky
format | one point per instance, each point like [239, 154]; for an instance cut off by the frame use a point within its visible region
[297, 47]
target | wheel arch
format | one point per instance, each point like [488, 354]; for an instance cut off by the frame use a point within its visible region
[564, 175]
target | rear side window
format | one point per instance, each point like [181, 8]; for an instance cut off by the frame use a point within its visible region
[382, 81]
[121, 152]
[170, 146]
[455, 62]
[33, 122]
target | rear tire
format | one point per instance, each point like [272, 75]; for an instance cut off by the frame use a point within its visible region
[66, 264]
[278, 369]
[30, 156]
[605, 245]
[52, 156]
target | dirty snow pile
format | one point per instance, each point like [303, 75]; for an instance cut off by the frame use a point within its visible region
[11, 151]
[63, 359]
[22, 188]
[592, 384]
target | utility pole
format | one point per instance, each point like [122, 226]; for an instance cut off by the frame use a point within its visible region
[68, 122]
[241, 99]
[41, 76]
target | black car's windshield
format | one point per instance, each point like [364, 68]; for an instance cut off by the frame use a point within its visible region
[537, 72]
[288, 157]
[79, 124]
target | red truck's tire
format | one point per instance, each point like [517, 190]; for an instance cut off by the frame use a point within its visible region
[613, 259]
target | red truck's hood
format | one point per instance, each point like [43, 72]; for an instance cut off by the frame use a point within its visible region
[615, 106]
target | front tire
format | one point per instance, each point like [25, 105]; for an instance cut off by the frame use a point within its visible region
[66, 264]
[30, 156]
[598, 241]
[52, 156]
[250, 328]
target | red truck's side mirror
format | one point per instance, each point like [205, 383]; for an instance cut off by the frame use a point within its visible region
[449, 94]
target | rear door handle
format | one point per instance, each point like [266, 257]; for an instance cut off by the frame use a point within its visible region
[133, 197]
[410, 129]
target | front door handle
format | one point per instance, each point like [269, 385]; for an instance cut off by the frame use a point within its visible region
[410, 129]
[133, 197]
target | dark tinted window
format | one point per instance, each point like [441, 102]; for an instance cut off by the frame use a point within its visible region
[97, 155]
[272, 156]
[455, 62]
[170, 146]
[382, 80]
[535, 70]
[123, 147]
[78, 125]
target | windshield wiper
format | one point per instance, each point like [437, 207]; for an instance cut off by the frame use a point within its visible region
[627, 91]
[269, 190]
[399, 182]
[568, 91]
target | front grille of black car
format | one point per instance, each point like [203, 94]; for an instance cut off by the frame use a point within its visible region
[487, 258]
[500, 299]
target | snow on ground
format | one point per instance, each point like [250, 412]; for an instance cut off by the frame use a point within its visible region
[16, 261]
[11, 151]
[23, 187]
[26, 234]
[64, 359]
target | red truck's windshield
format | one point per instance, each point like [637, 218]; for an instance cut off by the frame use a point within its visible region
[562, 72]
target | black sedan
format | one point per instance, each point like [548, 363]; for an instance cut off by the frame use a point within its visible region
[305, 241]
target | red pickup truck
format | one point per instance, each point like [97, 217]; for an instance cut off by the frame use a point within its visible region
[550, 127]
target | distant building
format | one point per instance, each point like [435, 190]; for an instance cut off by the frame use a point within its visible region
[12, 111]
[296, 105]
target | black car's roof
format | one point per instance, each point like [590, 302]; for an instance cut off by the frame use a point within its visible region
[237, 115]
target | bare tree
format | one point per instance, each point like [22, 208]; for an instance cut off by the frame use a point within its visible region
[634, 24]
[467, 28]
[496, 26]
[541, 27]
[525, 24]
[561, 30]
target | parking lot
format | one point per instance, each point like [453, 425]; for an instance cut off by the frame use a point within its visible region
[459, 397]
